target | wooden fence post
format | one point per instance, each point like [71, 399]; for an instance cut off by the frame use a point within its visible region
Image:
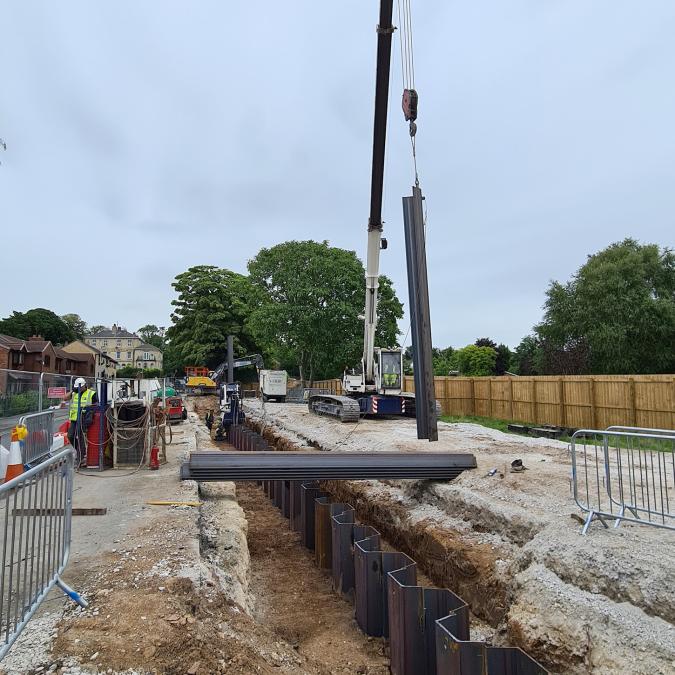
[594, 420]
[561, 396]
[446, 398]
[490, 397]
[534, 401]
[631, 397]
[473, 397]
[511, 397]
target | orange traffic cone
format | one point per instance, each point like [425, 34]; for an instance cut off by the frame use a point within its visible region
[14, 463]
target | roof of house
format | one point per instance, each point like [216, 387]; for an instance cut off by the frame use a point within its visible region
[9, 342]
[110, 333]
[90, 349]
[73, 356]
[36, 346]
[146, 346]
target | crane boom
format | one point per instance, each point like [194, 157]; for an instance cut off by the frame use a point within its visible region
[385, 30]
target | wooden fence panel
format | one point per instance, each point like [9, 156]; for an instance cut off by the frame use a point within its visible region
[655, 403]
[588, 401]
[523, 401]
[578, 402]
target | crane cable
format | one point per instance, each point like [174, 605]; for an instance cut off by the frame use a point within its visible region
[408, 75]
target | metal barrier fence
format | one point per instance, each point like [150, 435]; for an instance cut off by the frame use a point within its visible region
[625, 473]
[36, 513]
[38, 442]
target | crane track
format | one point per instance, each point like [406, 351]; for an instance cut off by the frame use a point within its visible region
[343, 407]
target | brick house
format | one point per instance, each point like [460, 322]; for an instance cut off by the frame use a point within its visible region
[40, 355]
[12, 352]
[24, 358]
[12, 357]
[104, 364]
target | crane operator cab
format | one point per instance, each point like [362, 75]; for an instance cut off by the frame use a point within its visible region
[390, 368]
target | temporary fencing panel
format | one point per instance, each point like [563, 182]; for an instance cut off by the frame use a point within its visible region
[36, 512]
[625, 473]
[38, 441]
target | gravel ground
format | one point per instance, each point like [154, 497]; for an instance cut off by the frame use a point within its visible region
[612, 592]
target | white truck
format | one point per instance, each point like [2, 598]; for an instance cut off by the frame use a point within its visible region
[273, 384]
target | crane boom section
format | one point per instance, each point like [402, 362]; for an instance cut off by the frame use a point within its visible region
[385, 30]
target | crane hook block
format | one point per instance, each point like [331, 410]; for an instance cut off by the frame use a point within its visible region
[409, 104]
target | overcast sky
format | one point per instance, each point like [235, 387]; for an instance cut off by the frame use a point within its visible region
[146, 137]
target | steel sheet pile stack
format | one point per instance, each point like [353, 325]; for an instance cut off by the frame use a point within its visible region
[217, 466]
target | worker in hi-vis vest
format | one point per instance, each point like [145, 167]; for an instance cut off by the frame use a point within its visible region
[80, 399]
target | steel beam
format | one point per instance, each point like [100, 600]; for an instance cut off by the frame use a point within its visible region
[305, 466]
[420, 318]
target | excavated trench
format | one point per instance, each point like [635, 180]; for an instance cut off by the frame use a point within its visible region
[295, 599]
[510, 563]
[262, 568]
[472, 572]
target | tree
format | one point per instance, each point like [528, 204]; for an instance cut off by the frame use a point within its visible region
[212, 303]
[486, 342]
[77, 325]
[474, 361]
[153, 335]
[308, 304]
[503, 361]
[527, 358]
[443, 360]
[37, 321]
[616, 314]
[504, 354]
[96, 329]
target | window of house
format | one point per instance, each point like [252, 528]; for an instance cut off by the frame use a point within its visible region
[48, 360]
[128, 355]
[117, 355]
[146, 356]
[119, 342]
[93, 342]
[128, 343]
[105, 343]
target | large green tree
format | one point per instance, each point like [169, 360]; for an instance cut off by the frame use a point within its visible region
[504, 354]
[527, 357]
[37, 321]
[153, 335]
[77, 324]
[442, 360]
[212, 303]
[474, 361]
[309, 303]
[616, 314]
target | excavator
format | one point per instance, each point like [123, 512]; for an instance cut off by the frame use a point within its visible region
[375, 386]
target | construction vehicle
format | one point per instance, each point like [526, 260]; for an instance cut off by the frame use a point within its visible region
[230, 407]
[375, 387]
[273, 385]
[198, 381]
